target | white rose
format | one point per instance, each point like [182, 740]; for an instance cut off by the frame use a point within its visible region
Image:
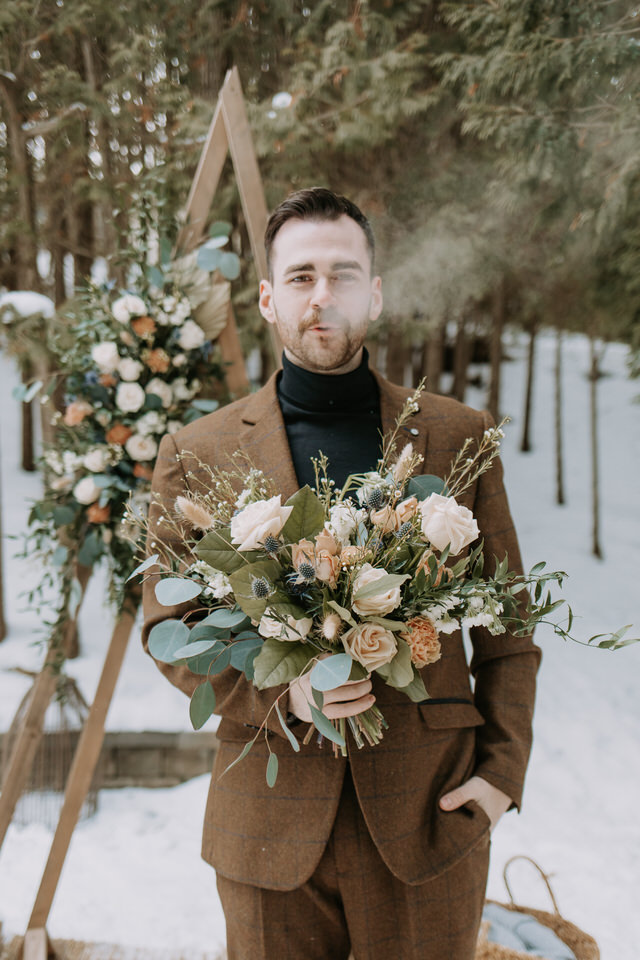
[162, 390]
[130, 397]
[86, 491]
[343, 520]
[173, 426]
[129, 369]
[105, 356]
[141, 448]
[128, 306]
[179, 360]
[379, 603]
[191, 335]
[270, 626]
[370, 644]
[446, 522]
[152, 422]
[97, 459]
[180, 389]
[251, 527]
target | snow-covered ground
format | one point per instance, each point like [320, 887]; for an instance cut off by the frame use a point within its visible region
[133, 873]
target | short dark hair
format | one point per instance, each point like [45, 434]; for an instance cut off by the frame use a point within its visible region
[316, 203]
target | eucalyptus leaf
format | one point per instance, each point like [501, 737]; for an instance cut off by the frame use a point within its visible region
[280, 661]
[230, 265]
[318, 696]
[289, 735]
[167, 637]
[242, 649]
[63, 515]
[424, 485]
[216, 242]
[229, 619]
[203, 663]
[60, 555]
[331, 672]
[220, 228]
[272, 770]
[149, 562]
[241, 756]
[173, 590]
[194, 649]
[31, 391]
[307, 517]
[325, 726]
[208, 259]
[202, 704]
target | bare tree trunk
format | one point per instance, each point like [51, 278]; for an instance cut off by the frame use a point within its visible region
[433, 358]
[495, 351]
[27, 458]
[560, 498]
[460, 361]
[398, 356]
[594, 375]
[525, 443]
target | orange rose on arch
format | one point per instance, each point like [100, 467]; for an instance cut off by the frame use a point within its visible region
[119, 434]
[144, 326]
[157, 360]
[96, 514]
[76, 412]
[422, 638]
[142, 471]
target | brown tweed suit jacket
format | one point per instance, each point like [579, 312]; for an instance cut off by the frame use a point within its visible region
[275, 837]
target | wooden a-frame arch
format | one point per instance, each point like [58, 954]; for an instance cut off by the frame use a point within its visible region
[229, 132]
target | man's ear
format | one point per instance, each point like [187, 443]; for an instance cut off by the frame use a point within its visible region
[265, 301]
[375, 307]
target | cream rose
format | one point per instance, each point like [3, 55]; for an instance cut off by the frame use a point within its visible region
[191, 335]
[302, 552]
[251, 527]
[130, 397]
[141, 447]
[379, 603]
[162, 390]
[129, 369]
[128, 306]
[370, 644]
[327, 567]
[446, 522]
[270, 626]
[105, 356]
[406, 510]
[97, 459]
[86, 491]
[384, 518]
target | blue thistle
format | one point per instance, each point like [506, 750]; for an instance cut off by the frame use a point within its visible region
[260, 588]
[375, 499]
[271, 544]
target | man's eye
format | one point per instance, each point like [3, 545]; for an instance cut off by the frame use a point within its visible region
[344, 277]
[301, 278]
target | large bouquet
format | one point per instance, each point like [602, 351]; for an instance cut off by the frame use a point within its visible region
[339, 584]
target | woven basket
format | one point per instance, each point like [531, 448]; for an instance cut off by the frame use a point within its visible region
[584, 946]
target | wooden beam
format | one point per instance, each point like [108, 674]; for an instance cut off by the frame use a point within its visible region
[37, 945]
[84, 762]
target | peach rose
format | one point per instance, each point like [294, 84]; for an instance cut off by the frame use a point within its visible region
[327, 542]
[157, 360]
[351, 555]
[97, 514]
[379, 603]
[327, 567]
[144, 327]
[422, 638]
[406, 510]
[251, 527]
[76, 412]
[385, 518]
[302, 552]
[446, 522]
[370, 644]
[118, 434]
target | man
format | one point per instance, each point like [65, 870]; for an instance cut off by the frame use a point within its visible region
[384, 852]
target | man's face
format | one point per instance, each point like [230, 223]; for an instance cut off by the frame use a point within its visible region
[321, 296]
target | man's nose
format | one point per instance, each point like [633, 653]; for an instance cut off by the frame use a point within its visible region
[322, 296]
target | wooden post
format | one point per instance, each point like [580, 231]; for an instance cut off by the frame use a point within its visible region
[83, 768]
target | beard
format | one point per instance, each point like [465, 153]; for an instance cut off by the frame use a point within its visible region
[323, 340]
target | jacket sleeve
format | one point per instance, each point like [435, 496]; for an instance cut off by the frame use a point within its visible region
[504, 666]
[236, 698]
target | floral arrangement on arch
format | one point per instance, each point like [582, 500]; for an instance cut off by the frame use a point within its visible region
[137, 364]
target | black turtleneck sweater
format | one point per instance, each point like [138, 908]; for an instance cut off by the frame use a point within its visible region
[338, 414]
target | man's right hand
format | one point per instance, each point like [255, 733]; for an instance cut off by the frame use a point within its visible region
[351, 698]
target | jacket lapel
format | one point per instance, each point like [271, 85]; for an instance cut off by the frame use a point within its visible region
[264, 438]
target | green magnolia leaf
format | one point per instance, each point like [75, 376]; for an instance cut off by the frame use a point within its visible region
[282, 603]
[149, 562]
[307, 517]
[280, 661]
[331, 672]
[242, 583]
[325, 727]
[173, 590]
[388, 582]
[272, 770]
[216, 549]
[388, 624]
[424, 485]
[167, 637]
[416, 690]
[290, 737]
[229, 619]
[398, 673]
[202, 704]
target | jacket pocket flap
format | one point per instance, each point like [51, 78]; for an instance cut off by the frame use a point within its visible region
[443, 715]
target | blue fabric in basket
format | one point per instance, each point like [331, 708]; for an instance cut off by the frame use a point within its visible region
[520, 931]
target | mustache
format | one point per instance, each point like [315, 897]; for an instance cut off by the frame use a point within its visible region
[317, 317]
